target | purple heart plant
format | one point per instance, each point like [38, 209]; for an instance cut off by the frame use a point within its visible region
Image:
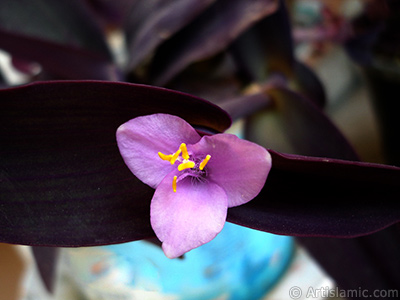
[90, 66]
[196, 179]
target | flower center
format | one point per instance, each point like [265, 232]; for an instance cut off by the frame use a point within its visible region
[186, 163]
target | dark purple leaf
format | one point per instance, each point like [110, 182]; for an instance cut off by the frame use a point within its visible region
[209, 34]
[62, 179]
[383, 83]
[253, 99]
[153, 22]
[359, 46]
[63, 182]
[388, 42]
[295, 125]
[375, 30]
[376, 47]
[309, 85]
[246, 105]
[62, 61]
[25, 66]
[46, 259]
[67, 22]
[365, 264]
[309, 196]
[2, 81]
[111, 11]
[266, 47]
[218, 79]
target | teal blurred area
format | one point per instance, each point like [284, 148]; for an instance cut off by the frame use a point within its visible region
[239, 264]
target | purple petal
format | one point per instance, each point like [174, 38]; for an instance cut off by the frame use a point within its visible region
[140, 140]
[238, 166]
[189, 217]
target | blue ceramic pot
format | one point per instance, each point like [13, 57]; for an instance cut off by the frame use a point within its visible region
[239, 264]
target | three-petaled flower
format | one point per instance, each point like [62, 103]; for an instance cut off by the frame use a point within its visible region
[196, 179]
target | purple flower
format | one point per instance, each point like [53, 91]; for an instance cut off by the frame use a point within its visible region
[196, 178]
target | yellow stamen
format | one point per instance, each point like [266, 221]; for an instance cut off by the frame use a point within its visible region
[164, 156]
[175, 156]
[170, 157]
[185, 154]
[174, 183]
[186, 165]
[204, 162]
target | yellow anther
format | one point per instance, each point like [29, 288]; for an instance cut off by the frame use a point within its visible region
[186, 165]
[204, 162]
[170, 157]
[174, 156]
[174, 183]
[164, 156]
[185, 154]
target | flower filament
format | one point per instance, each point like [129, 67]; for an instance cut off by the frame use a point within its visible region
[185, 162]
[204, 162]
[174, 183]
